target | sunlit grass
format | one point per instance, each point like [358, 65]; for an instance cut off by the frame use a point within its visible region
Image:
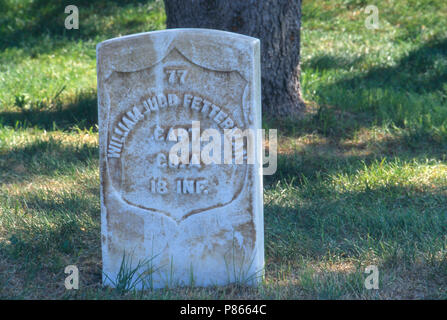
[361, 180]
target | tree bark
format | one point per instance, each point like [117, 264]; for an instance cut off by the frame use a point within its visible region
[275, 22]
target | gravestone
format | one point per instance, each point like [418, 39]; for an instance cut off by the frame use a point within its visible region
[194, 221]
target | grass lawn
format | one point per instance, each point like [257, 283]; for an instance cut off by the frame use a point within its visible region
[361, 180]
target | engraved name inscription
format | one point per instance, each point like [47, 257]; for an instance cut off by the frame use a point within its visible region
[159, 102]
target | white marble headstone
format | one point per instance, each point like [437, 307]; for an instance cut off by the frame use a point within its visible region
[191, 223]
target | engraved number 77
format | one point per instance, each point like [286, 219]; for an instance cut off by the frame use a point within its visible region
[176, 75]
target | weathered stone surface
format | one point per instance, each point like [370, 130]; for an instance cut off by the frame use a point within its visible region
[198, 224]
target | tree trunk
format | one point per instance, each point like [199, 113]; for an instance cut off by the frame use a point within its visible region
[276, 22]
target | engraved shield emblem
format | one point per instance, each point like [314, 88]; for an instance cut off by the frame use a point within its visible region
[150, 103]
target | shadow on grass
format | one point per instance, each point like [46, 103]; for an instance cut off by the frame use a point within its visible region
[420, 71]
[328, 61]
[396, 224]
[330, 158]
[63, 224]
[411, 94]
[45, 158]
[81, 111]
[26, 24]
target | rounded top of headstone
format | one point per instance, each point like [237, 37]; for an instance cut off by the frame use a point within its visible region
[212, 49]
[182, 32]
